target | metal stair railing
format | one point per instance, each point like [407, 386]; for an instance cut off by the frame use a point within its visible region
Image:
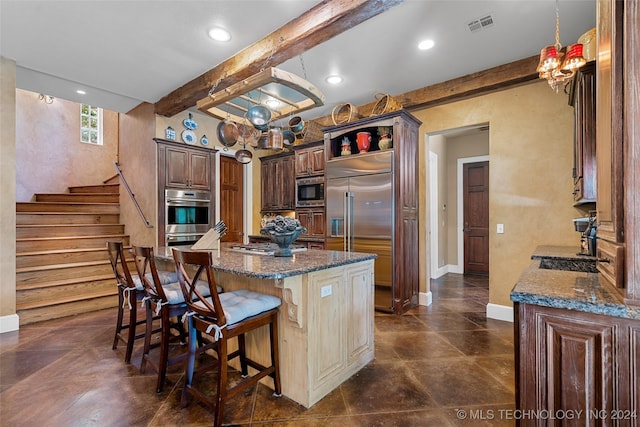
[133, 197]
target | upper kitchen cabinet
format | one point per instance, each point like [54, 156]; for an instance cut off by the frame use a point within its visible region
[277, 183]
[309, 159]
[582, 97]
[181, 166]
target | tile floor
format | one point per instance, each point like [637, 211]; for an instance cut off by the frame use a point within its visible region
[443, 365]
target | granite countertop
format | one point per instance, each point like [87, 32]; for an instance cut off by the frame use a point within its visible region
[568, 289]
[270, 267]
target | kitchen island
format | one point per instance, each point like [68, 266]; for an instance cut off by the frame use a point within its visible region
[577, 343]
[325, 324]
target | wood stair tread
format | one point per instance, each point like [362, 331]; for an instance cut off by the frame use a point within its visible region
[68, 203]
[60, 213]
[76, 194]
[70, 298]
[63, 251]
[54, 283]
[27, 239]
[66, 225]
[56, 266]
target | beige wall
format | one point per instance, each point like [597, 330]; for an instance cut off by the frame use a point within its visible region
[49, 154]
[459, 147]
[530, 149]
[8, 318]
[437, 144]
[138, 163]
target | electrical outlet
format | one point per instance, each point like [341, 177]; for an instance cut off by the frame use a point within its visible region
[500, 228]
[325, 291]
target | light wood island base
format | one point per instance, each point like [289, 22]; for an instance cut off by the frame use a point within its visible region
[326, 320]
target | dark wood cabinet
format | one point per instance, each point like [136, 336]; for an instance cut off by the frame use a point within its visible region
[310, 159]
[277, 183]
[611, 122]
[313, 220]
[185, 167]
[570, 361]
[582, 97]
[181, 166]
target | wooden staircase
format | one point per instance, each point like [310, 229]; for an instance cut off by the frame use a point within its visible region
[62, 267]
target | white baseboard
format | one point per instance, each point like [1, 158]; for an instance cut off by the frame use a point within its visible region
[441, 271]
[454, 268]
[9, 323]
[500, 312]
[449, 268]
[425, 298]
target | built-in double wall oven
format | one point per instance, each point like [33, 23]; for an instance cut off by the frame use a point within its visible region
[187, 214]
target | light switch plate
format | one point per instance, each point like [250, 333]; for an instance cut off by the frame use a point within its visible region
[500, 228]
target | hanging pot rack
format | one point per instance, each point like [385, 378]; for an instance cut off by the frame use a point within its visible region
[293, 93]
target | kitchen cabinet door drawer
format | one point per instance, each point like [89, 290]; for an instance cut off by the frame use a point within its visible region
[611, 262]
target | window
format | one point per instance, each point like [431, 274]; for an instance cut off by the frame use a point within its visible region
[90, 124]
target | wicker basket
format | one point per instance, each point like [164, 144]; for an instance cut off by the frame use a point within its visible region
[386, 104]
[312, 132]
[344, 113]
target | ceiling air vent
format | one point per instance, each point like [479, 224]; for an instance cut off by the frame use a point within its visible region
[481, 23]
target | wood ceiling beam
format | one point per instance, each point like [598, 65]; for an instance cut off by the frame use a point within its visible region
[490, 80]
[317, 25]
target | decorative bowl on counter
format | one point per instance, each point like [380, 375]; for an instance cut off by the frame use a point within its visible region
[283, 231]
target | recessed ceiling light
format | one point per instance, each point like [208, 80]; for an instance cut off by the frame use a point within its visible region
[219, 34]
[426, 44]
[334, 79]
[81, 92]
[272, 102]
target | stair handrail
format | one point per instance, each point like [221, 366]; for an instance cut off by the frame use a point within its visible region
[133, 197]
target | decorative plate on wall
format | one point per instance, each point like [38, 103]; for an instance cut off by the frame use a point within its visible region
[188, 136]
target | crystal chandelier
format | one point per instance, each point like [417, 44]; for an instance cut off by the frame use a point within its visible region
[552, 67]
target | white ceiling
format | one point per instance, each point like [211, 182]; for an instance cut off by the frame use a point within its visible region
[126, 52]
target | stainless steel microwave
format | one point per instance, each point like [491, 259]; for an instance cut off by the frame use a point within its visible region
[310, 192]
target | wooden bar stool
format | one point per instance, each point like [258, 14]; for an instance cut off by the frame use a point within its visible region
[223, 317]
[167, 301]
[130, 291]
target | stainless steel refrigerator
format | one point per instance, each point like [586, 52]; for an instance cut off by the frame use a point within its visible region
[360, 214]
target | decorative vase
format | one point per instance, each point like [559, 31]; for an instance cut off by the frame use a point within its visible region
[364, 141]
[385, 142]
[283, 231]
[284, 241]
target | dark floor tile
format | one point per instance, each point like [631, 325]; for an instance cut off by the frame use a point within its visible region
[448, 321]
[460, 382]
[500, 367]
[10, 341]
[16, 366]
[237, 410]
[404, 323]
[461, 305]
[385, 387]
[479, 343]
[90, 362]
[426, 418]
[270, 408]
[338, 421]
[419, 345]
